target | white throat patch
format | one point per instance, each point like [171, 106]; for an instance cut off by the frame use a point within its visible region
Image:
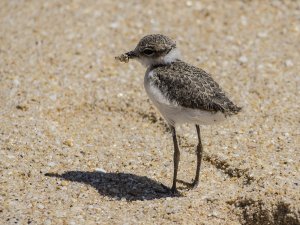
[172, 56]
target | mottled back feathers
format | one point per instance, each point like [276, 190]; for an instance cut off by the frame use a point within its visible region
[191, 87]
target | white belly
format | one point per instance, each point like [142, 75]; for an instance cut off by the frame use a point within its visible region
[176, 114]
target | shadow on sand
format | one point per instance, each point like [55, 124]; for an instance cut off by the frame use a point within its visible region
[119, 185]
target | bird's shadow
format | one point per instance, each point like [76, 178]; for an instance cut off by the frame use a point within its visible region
[119, 185]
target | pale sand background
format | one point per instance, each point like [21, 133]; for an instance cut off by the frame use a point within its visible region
[67, 108]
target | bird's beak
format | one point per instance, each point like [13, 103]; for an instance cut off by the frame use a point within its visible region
[126, 56]
[131, 54]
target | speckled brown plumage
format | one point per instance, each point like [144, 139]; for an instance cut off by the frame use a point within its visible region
[191, 87]
[157, 42]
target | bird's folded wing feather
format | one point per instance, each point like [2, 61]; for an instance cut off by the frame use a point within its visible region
[191, 87]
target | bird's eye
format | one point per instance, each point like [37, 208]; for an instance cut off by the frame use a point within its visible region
[148, 52]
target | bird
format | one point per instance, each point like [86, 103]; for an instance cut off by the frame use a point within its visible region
[181, 92]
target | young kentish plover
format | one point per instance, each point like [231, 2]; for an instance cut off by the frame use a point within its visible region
[181, 92]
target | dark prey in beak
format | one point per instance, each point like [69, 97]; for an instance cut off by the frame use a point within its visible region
[126, 56]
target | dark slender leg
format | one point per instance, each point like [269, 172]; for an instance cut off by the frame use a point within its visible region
[199, 158]
[176, 159]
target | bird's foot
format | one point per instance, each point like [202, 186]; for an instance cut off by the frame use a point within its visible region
[174, 191]
[194, 185]
[190, 186]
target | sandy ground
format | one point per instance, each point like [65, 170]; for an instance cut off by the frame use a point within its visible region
[80, 143]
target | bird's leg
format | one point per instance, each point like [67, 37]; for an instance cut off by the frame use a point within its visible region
[176, 159]
[199, 158]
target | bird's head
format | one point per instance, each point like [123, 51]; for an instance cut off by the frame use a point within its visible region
[153, 49]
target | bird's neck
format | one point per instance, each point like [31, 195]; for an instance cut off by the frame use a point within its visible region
[172, 56]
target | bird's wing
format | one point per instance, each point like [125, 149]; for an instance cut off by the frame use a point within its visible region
[191, 87]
